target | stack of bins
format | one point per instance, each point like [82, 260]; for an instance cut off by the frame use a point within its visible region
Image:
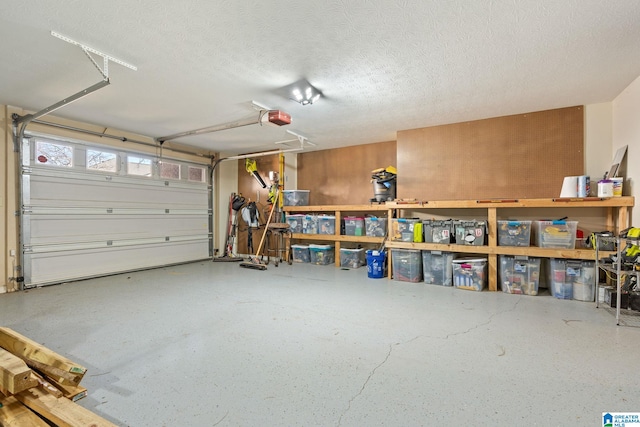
[437, 267]
[407, 265]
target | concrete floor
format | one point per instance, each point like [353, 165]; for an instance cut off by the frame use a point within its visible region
[209, 344]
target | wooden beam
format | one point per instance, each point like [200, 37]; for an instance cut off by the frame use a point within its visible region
[70, 391]
[44, 383]
[15, 375]
[15, 414]
[59, 410]
[47, 361]
[52, 372]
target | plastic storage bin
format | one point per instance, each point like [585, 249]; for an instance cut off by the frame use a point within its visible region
[326, 224]
[437, 267]
[555, 234]
[353, 226]
[562, 274]
[470, 232]
[407, 265]
[321, 254]
[295, 222]
[310, 224]
[375, 227]
[437, 231]
[568, 276]
[352, 258]
[514, 233]
[402, 229]
[470, 273]
[300, 253]
[519, 274]
[295, 197]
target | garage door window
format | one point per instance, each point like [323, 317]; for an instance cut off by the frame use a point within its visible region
[50, 154]
[138, 166]
[196, 174]
[102, 161]
[169, 170]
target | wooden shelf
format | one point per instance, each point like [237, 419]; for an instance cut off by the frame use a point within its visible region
[616, 219]
[337, 238]
[586, 254]
[340, 208]
[591, 202]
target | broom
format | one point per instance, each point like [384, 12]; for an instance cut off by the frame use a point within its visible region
[254, 260]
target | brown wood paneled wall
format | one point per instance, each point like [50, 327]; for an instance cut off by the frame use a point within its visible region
[343, 175]
[249, 188]
[519, 156]
[510, 157]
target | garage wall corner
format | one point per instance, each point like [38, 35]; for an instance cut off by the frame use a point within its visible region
[9, 267]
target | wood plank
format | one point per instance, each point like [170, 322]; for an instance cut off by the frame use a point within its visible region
[46, 384]
[623, 220]
[519, 203]
[15, 375]
[440, 247]
[492, 267]
[534, 251]
[15, 414]
[48, 361]
[70, 391]
[59, 410]
[337, 238]
[344, 208]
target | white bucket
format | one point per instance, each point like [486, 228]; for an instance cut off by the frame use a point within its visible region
[605, 188]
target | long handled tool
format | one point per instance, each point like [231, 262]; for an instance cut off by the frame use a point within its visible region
[236, 201]
[254, 260]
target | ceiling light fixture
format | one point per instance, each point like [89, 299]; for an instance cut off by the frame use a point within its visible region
[306, 94]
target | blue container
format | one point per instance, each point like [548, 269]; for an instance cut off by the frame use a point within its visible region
[375, 264]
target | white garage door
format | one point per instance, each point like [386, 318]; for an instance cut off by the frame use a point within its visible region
[93, 210]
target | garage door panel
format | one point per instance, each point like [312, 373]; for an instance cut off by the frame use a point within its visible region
[79, 223]
[55, 267]
[54, 229]
[59, 191]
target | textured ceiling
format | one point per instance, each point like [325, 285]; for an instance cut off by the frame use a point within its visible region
[383, 66]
